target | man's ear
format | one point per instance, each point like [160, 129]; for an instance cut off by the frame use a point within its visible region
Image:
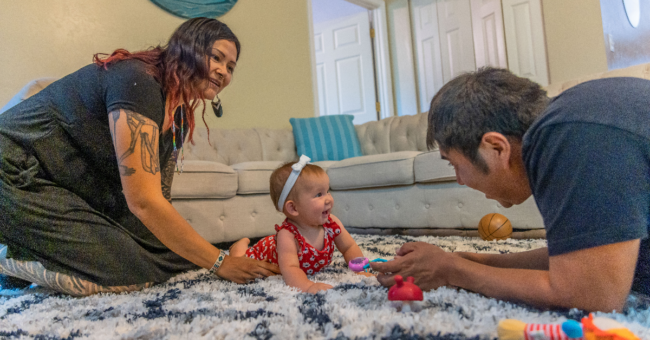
[495, 147]
[290, 208]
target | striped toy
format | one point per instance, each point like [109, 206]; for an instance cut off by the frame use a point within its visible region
[536, 331]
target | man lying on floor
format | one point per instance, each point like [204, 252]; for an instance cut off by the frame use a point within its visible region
[584, 156]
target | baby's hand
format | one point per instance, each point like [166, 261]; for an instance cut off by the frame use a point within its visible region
[317, 287]
[366, 274]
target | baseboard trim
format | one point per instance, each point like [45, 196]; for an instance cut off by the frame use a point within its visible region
[516, 234]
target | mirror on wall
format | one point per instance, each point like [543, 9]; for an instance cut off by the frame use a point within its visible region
[632, 10]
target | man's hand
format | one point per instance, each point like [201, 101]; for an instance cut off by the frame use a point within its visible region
[244, 270]
[366, 274]
[317, 287]
[424, 261]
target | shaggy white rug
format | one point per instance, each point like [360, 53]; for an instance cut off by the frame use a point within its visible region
[196, 305]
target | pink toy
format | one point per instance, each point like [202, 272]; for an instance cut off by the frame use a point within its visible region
[358, 264]
[405, 295]
[361, 264]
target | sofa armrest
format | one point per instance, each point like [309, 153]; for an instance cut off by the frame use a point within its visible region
[637, 71]
[32, 88]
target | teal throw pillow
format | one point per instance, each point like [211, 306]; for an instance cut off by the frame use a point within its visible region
[326, 138]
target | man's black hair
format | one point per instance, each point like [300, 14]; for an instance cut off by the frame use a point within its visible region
[472, 104]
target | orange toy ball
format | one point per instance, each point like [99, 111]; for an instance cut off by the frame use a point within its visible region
[494, 227]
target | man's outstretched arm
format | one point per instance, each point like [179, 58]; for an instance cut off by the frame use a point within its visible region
[592, 279]
[532, 259]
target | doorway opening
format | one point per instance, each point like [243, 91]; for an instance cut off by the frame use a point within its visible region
[417, 47]
[349, 66]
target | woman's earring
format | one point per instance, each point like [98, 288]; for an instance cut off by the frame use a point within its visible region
[216, 107]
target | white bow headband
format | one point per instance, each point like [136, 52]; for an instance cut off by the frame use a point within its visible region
[293, 177]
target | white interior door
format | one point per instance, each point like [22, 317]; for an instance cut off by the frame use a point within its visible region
[401, 53]
[524, 32]
[344, 68]
[456, 42]
[427, 49]
[489, 40]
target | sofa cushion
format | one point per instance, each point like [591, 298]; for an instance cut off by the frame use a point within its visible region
[326, 138]
[409, 132]
[381, 170]
[374, 137]
[204, 179]
[429, 168]
[253, 177]
[225, 146]
[277, 144]
[403, 133]
[325, 164]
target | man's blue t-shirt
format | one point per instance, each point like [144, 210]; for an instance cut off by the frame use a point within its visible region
[588, 162]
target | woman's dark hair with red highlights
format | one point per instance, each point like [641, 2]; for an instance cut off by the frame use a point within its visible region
[182, 65]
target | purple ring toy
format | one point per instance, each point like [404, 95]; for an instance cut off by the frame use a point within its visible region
[358, 264]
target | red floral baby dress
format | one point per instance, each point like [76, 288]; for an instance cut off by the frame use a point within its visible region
[311, 259]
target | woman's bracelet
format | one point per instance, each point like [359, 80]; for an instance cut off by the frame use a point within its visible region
[217, 263]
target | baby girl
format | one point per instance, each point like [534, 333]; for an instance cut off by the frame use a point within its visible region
[304, 243]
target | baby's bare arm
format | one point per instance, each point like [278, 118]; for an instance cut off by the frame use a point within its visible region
[345, 243]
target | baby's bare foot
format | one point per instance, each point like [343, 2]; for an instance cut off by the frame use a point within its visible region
[239, 248]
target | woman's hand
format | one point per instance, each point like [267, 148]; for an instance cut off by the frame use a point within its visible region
[317, 287]
[244, 269]
[425, 262]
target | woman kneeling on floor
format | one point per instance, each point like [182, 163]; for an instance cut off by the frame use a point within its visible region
[82, 162]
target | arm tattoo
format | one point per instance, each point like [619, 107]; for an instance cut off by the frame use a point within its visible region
[148, 144]
[167, 177]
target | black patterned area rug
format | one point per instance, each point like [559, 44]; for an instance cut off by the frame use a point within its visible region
[196, 305]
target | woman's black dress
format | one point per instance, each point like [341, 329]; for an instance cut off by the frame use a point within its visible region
[61, 200]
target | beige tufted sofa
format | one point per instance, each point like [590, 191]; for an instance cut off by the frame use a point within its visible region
[397, 186]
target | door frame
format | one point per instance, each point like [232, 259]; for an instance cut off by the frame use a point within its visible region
[383, 79]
